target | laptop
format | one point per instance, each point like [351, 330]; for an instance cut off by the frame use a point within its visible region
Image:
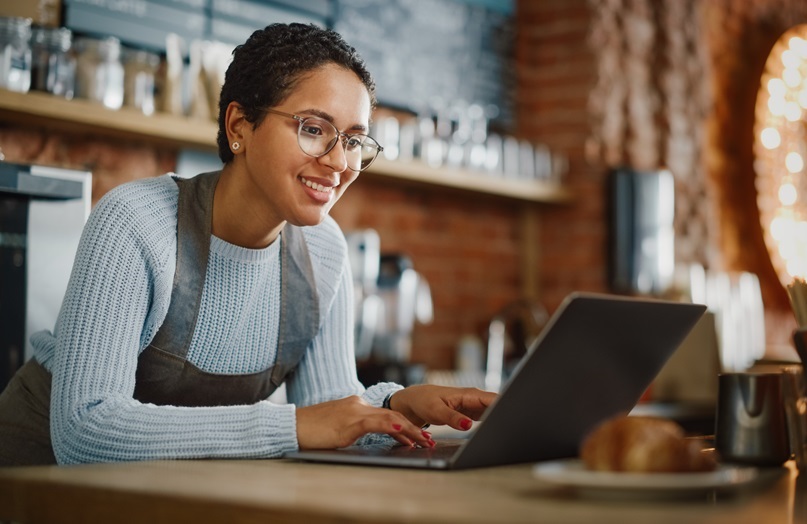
[594, 359]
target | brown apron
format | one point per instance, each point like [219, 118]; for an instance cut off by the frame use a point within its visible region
[163, 375]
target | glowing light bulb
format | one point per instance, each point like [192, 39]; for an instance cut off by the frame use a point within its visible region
[786, 249]
[777, 87]
[790, 59]
[794, 162]
[792, 111]
[799, 45]
[791, 76]
[796, 268]
[770, 138]
[776, 106]
[788, 194]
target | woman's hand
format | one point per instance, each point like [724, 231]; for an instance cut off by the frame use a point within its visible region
[340, 423]
[439, 405]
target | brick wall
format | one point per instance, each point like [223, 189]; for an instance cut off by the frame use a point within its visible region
[111, 161]
[465, 246]
[556, 72]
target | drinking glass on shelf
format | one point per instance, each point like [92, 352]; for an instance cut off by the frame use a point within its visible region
[15, 54]
[140, 71]
[735, 298]
[99, 75]
[53, 63]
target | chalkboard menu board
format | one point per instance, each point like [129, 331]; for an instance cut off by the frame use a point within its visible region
[423, 51]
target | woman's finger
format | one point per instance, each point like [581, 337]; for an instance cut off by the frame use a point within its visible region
[408, 434]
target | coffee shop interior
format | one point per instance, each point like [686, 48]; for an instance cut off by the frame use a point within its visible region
[532, 148]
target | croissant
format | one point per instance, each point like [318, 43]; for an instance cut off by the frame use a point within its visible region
[643, 444]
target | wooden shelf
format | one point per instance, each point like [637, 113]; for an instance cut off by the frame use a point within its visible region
[36, 108]
[465, 180]
[77, 115]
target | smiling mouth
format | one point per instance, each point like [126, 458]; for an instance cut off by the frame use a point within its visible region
[316, 187]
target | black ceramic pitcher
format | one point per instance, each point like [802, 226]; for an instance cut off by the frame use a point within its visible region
[751, 425]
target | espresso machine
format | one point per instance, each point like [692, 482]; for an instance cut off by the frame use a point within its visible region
[363, 251]
[390, 298]
[42, 213]
[406, 299]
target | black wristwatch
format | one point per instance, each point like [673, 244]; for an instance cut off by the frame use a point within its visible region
[385, 404]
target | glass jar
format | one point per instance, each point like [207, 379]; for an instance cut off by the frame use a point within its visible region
[53, 67]
[15, 54]
[99, 71]
[139, 73]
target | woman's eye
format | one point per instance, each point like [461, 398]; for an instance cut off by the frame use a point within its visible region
[353, 143]
[313, 130]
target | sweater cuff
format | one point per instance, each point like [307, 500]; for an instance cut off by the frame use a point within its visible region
[376, 394]
[284, 426]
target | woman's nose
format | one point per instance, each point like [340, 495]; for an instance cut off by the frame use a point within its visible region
[336, 158]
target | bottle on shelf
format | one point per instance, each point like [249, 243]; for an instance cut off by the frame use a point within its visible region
[15, 54]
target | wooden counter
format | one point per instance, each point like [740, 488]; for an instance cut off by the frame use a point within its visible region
[284, 491]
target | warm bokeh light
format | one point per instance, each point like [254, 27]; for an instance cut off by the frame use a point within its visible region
[777, 88]
[792, 111]
[776, 106]
[799, 45]
[788, 194]
[781, 131]
[794, 162]
[792, 77]
[779, 228]
[790, 59]
[770, 138]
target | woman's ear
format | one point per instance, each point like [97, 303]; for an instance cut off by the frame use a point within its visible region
[236, 126]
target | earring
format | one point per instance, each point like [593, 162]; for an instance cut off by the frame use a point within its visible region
[236, 146]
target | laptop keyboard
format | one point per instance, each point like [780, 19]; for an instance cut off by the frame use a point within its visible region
[444, 449]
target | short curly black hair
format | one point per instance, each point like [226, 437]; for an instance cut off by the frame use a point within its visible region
[268, 65]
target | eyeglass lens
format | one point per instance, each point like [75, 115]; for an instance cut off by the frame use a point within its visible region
[317, 137]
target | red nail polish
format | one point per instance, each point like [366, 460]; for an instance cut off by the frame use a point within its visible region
[426, 434]
[397, 427]
[465, 423]
[432, 443]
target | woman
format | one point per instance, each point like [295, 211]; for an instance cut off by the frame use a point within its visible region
[192, 300]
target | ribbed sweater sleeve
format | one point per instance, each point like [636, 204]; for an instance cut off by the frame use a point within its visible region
[118, 297]
[328, 369]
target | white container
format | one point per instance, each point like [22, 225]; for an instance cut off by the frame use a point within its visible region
[15, 55]
[99, 75]
[140, 71]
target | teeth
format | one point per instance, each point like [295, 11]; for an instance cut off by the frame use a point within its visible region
[316, 187]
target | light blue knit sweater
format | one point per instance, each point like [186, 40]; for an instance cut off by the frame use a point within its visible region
[117, 299]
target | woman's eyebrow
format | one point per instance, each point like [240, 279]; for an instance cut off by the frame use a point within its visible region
[326, 116]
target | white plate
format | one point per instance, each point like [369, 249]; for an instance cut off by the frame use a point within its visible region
[572, 473]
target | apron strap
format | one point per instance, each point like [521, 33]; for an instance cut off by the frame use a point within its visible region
[195, 221]
[299, 301]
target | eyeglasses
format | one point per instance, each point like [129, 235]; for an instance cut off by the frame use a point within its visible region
[317, 137]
